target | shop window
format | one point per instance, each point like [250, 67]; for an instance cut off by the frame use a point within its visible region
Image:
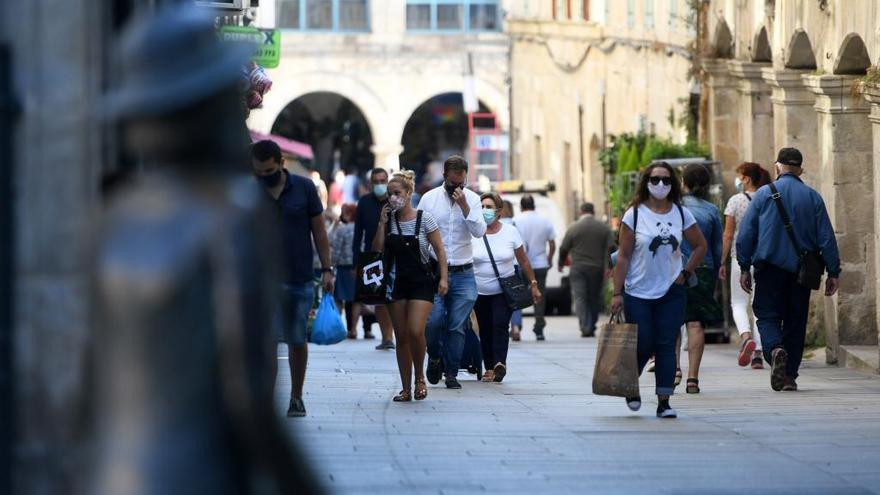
[323, 15]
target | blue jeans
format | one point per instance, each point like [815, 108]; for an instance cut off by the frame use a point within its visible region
[659, 321]
[782, 307]
[445, 328]
[295, 304]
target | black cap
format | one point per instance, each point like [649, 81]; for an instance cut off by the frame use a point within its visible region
[790, 156]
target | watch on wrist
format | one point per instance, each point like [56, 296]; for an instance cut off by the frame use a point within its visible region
[326, 270]
[533, 282]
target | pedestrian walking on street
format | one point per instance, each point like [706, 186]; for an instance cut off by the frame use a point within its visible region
[702, 309]
[365, 225]
[301, 223]
[787, 237]
[749, 177]
[539, 237]
[494, 256]
[516, 318]
[341, 238]
[457, 211]
[649, 282]
[586, 242]
[404, 235]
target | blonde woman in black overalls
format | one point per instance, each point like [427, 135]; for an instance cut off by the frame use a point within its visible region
[404, 234]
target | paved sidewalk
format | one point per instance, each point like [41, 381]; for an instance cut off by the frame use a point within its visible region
[542, 431]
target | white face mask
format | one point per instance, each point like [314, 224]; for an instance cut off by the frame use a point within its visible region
[659, 191]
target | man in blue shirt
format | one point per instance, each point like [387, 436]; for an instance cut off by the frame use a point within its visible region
[365, 225]
[299, 216]
[781, 304]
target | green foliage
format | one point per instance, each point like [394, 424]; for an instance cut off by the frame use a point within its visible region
[629, 154]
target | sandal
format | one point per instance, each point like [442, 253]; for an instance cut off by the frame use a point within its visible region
[421, 390]
[677, 380]
[488, 376]
[403, 396]
[693, 386]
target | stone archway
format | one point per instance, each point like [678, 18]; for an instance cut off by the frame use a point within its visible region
[853, 58]
[800, 55]
[760, 49]
[722, 41]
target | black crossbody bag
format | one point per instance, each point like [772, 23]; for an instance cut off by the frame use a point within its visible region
[516, 292]
[811, 265]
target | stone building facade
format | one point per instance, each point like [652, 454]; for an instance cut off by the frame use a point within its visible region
[582, 71]
[790, 73]
[391, 64]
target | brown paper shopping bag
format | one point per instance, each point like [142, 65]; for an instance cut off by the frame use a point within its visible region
[617, 370]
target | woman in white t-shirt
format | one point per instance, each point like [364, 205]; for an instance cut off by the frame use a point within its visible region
[649, 282]
[493, 313]
[749, 177]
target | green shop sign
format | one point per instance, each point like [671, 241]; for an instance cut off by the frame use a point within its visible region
[267, 42]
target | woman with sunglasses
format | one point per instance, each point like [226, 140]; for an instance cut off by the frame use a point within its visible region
[503, 246]
[649, 282]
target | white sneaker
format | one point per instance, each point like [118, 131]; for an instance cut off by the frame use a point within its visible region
[634, 403]
[666, 413]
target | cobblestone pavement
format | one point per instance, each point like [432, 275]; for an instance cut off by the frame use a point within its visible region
[542, 431]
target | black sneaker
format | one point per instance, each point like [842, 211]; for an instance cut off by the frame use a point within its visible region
[297, 409]
[777, 373]
[664, 410]
[435, 371]
[368, 335]
[452, 382]
[385, 345]
[539, 336]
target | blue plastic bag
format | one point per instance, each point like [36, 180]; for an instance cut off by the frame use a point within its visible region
[328, 327]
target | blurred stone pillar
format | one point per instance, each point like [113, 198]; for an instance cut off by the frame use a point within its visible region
[872, 94]
[794, 120]
[723, 118]
[755, 112]
[387, 155]
[845, 145]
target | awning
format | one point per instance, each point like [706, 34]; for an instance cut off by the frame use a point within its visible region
[289, 146]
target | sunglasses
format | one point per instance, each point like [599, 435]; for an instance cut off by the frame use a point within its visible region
[657, 179]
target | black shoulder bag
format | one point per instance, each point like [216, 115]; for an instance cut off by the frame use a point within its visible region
[811, 265]
[516, 292]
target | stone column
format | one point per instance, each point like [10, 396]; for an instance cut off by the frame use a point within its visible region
[723, 119]
[845, 146]
[794, 120]
[872, 94]
[755, 111]
[387, 155]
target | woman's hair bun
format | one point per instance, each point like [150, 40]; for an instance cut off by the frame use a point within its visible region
[408, 175]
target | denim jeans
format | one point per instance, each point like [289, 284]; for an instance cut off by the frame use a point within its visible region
[493, 315]
[659, 321]
[293, 313]
[782, 307]
[445, 328]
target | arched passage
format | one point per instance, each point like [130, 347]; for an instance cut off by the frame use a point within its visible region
[436, 129]
[853, 56]
[334, 126]
[800, 52]
[761, 51]
[722, 41]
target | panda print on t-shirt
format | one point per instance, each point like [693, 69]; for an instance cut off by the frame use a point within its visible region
[663, 238]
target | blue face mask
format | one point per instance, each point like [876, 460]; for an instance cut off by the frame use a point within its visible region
[488, 215]
[738, 184]
[380, 189]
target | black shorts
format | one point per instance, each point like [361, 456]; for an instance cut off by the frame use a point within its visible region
[419, 286]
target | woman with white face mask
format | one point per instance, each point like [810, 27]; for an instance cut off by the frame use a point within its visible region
[749, 178]
[505, 245]
[649, 282]
[406, 236]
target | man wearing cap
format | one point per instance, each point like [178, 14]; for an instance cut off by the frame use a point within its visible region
[781, 304]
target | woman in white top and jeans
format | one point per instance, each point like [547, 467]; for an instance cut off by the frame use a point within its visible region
[749, 177]
[493, 313]
[649, 282]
